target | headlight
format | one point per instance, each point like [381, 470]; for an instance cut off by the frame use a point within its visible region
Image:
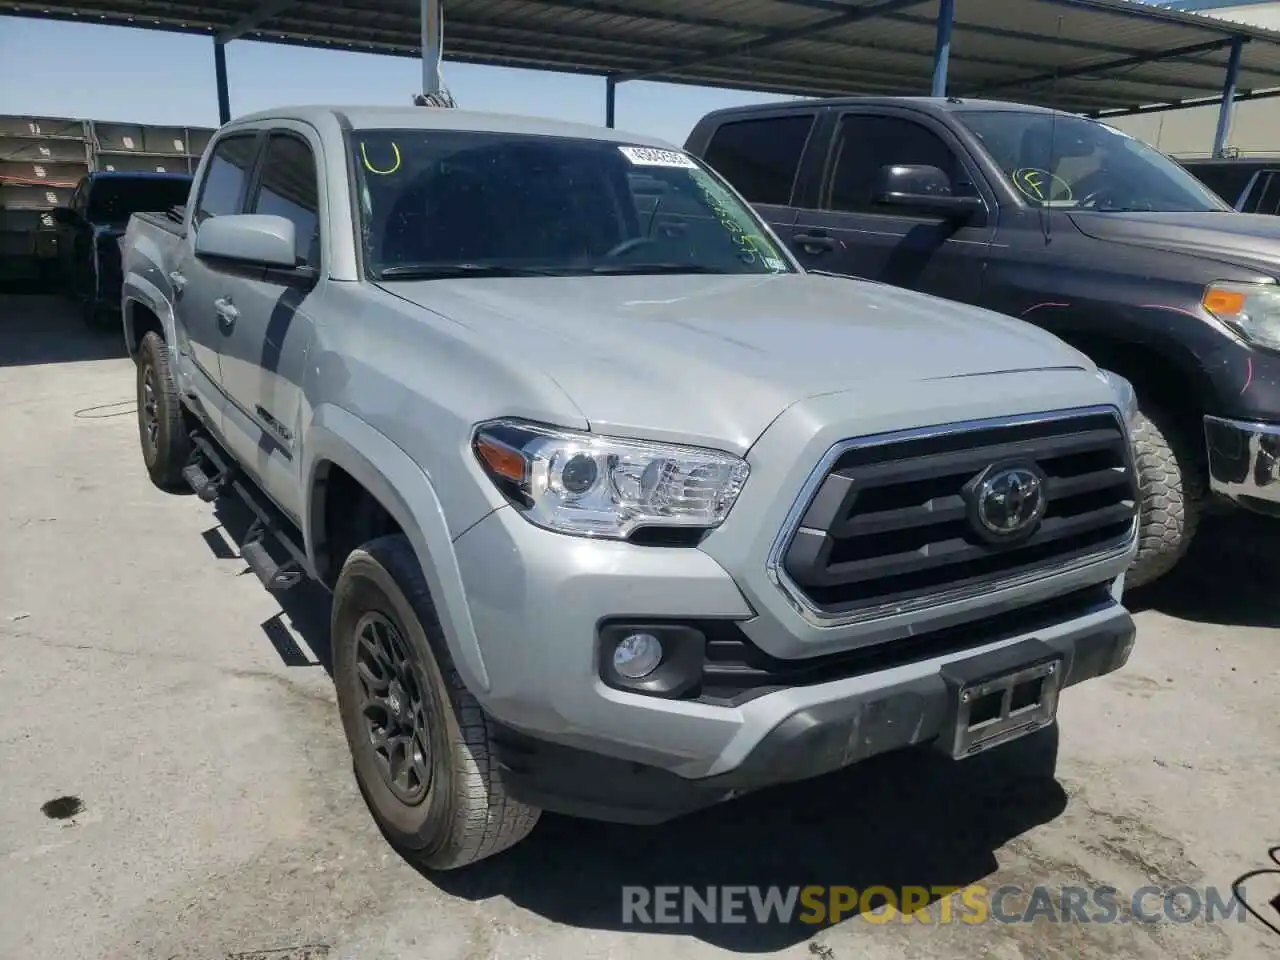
[1251, 309]
[596, 486]
[1126, 398]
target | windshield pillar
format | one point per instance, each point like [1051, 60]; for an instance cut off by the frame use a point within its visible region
[1228, 97]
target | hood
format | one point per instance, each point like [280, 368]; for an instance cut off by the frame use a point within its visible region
[1245, 239]
[719, 358]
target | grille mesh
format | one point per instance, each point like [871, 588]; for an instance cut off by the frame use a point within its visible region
[889, 522]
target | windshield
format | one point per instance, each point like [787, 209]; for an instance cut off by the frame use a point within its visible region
[113, 200]
[1066, 161]
[451, 203]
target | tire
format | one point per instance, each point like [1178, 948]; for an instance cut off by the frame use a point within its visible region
[455, 811]
[162, 429]
[1173, 489]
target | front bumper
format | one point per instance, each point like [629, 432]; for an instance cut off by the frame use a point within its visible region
[538, 601]
[1244, 462]
[820, 738]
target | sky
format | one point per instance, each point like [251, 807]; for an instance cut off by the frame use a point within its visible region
[58, 69]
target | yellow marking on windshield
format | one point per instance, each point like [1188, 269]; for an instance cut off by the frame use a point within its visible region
[364, 157]
[1034, 183]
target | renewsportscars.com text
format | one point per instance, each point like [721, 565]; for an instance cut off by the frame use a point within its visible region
[972, 905]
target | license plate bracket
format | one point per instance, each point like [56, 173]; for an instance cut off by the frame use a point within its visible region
[1000, 696]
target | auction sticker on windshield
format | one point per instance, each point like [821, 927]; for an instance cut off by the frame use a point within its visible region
[653, 157]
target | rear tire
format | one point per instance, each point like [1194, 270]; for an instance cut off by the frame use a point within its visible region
[443, 804]
[1172, 494]
[162, 429]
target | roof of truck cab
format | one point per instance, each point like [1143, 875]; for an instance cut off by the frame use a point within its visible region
[925, 104]
[1260, 160]
[441, 118]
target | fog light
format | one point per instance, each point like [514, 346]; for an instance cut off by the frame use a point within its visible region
[637, 655]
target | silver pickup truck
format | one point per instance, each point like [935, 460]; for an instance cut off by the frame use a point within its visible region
[623, 512]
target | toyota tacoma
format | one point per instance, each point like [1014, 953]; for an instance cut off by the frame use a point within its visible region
[623, 512]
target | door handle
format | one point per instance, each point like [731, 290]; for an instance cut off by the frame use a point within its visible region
[227, 313]
[814, 243]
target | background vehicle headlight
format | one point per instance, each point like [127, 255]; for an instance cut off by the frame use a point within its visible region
[1251, 309]
[1126, 397]
[597, 486]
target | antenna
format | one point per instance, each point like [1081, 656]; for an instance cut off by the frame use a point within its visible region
[1046, 218]
[434, 92]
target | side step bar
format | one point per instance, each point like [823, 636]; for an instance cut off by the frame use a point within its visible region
[210, 474]
[274, 576]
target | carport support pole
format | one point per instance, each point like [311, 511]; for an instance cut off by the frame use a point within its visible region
[220, 76]
[1228, 98]
[942, 46]
[610, 99]
[432, 45]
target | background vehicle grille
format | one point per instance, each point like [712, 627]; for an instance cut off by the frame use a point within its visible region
[889, 521]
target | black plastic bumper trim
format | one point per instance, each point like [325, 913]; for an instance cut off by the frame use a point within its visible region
[809, 743]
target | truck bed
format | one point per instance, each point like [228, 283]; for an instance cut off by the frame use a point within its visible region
[171, 221]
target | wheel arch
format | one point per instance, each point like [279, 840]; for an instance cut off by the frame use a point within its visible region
[1159, 370]
[340, 445]
[146, 309]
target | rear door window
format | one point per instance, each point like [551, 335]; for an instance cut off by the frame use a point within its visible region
[1228, 182]
[1266, 193]
[761, 157]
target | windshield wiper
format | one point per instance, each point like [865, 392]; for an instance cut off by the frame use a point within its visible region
[639, 269]
[440, 271]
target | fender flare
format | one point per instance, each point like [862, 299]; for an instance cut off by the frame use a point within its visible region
[405, 490]
[1144, 336]
[138, 289]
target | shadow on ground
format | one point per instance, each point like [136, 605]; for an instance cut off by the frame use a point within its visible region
[305, 607]
[43, 328]
[903, 820]
[1229, 577]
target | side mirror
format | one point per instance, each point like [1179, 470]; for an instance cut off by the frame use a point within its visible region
[255, 239]
[924, 189]
[63, 216]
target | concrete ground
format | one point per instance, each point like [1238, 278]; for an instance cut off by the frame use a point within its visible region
[213, 814]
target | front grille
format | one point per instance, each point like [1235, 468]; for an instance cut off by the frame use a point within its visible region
[891, 523]
[735, 670]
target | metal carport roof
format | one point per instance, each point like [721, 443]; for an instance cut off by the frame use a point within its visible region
[1081, 55]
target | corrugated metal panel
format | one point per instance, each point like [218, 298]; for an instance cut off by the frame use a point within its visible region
[42, 159]
[118, 137]
[1078, 54]
[38, 150]
[24, 197]
[25, 221]
[165, 140]
[142, 163]
[43, 128]
[197, 140]
[36, 174]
